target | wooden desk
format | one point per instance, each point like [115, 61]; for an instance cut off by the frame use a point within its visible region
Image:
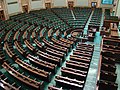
[114, 30]
[114, 34]
[43, 64]
[22, 78]
[69, 83]
[107, 23]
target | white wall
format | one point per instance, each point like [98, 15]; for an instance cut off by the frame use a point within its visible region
[59, 3]
[24, 2]
[99, 4]
[37, 4]
[13, 8]
[1, 5]
[48, 1]
[105, 5]
[82, 3]
[118, 9]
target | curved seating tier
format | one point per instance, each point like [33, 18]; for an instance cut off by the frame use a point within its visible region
[35, 47]
[4, 84]
[22, 78]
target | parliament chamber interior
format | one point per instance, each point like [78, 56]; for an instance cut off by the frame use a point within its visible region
[59, 44]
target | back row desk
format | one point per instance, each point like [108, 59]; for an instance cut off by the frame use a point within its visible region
[5, 83]
[21, 77]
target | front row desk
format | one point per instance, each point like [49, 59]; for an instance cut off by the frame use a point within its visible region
[91, 33]
[80, 35]
[104, 31]
[112, 31]
[107, 70]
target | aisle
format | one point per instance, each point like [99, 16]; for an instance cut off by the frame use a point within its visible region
[73, 15]
[86, 26]
[93, 69]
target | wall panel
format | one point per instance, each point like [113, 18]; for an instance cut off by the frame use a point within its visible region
[82, 3]
[118, 9]
[59, 3]
[13, 6]
[37, 4]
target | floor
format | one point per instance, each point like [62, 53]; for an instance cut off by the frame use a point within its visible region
[92, 74]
